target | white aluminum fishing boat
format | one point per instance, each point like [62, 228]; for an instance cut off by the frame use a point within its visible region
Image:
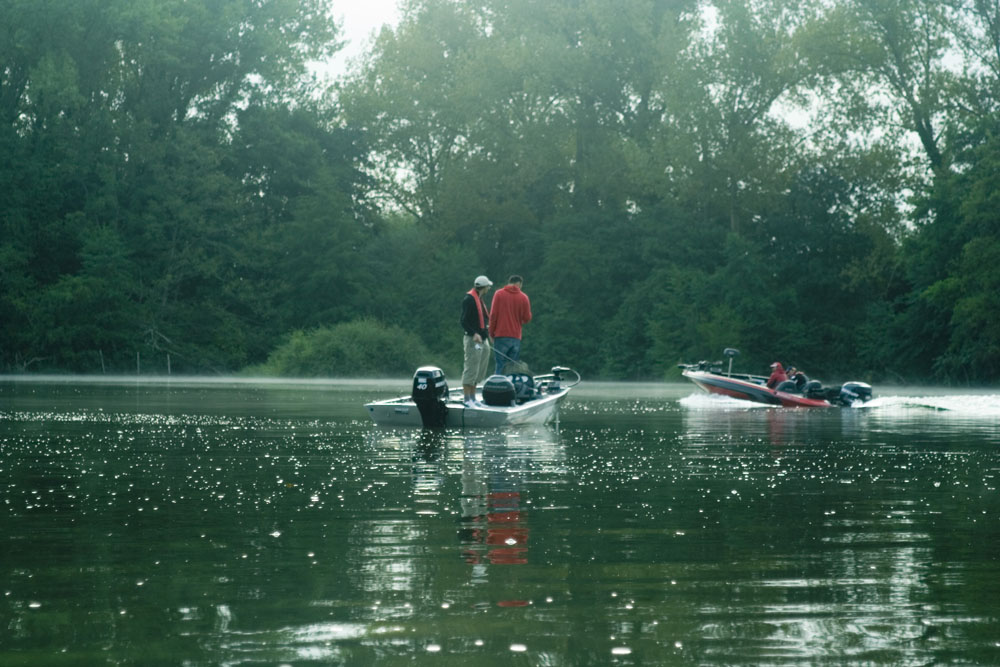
[508, 400]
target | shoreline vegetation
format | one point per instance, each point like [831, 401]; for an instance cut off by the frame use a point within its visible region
[809, 183]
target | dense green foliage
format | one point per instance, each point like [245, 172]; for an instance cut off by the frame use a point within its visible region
[176, 184]
[362, 348]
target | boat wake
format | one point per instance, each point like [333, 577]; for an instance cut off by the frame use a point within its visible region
[978, 405]
[702, 401]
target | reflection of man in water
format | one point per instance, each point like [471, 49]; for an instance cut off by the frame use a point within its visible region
[503, 518]
[493, 527]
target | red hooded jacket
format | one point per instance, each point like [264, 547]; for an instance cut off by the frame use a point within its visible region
[511, 309]
[777, 375]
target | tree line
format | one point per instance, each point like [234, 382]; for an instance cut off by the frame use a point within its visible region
[809, 181]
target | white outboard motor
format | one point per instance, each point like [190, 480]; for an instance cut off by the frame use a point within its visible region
[855, 392]
[430, 390]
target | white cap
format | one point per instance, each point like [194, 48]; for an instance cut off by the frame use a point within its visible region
[482, 281]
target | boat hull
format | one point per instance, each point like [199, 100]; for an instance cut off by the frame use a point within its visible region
[751, 388]
[403, 411]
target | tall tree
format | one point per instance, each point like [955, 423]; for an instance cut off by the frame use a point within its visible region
[745, 62]
[117, 118]
[890, 58]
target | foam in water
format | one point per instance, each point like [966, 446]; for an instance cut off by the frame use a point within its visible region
[973, 405]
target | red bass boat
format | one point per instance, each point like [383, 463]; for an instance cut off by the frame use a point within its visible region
[803, 393]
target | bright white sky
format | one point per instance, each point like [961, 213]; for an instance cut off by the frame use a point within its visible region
[359, 19]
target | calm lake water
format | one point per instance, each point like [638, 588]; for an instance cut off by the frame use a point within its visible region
[240, 523]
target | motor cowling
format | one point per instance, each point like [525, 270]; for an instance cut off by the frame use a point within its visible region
[814, 389]
[430, 391]
[498, 391]
[854, 392]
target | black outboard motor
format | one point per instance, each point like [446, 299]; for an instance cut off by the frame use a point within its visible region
[430, 390]
[855, 392]
[814, 389]
[498, 391]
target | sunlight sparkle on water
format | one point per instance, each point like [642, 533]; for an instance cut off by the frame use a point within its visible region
[757, 531]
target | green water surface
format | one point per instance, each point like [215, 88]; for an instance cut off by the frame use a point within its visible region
[244, 523]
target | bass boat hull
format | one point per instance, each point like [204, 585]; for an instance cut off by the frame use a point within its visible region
[805, 393]
[748, 388]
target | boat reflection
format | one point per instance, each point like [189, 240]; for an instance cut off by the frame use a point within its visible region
[728, 419]
[480, 478]
[494, 528]
[716, 419]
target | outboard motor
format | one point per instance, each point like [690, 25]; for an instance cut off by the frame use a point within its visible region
[430, 390]
[853, 392]
[813, 389]
[498, 391]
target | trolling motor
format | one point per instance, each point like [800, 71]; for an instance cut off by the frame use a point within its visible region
[712, 366]
[430, 391]
[557, 372]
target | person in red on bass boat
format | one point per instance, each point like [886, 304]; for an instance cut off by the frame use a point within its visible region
[511, 310]
[777, 375]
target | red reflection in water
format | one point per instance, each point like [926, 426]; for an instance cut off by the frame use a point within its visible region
[513, 603]
[505, 532]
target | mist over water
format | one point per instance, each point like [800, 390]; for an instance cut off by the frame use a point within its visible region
[271, 523]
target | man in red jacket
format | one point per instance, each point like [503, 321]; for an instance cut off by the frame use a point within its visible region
[777, 375]
[510, 310]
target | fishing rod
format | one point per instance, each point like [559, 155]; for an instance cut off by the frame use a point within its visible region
[527, 371]
[520, 366]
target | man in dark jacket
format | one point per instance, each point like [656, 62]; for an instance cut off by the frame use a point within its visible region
[476, 338]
